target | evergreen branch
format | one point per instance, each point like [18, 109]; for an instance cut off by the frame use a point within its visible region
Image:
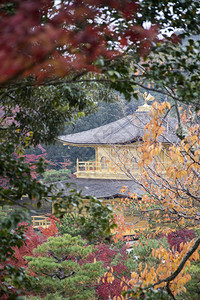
[60, 275]
[59, 260]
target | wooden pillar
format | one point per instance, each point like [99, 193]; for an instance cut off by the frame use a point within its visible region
[77, 165]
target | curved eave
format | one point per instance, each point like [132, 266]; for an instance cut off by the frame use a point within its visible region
[127, 143]
[87, 145]
[65, 143]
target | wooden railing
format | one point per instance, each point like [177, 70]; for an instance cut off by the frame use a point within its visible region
[40, 221]
[95, 166]
[94, 169]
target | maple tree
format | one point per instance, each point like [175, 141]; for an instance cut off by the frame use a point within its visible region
[32, 240]
[170, 200]
[19, 243]
[45, 55]
[32, 159]
[64, 38]
[52, 229]
[96, 33]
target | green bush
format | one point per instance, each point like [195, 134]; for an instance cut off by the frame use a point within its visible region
[54, 175]
[90, 221]
[69, 225]
[6, 212]
[56, 296]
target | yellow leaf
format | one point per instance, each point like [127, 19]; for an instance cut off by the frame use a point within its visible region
[184, 289]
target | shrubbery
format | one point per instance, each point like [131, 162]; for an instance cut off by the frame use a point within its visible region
[193, 286]
[55, 175]
[142, 252]
[89, 221]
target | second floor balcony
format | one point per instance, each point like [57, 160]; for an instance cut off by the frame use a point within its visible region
[103, 170]
[110, 170]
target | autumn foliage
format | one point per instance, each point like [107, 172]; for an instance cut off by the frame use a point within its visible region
[52, 229]
[181, 236]
[119, 275]
[174, 187]
[107, 256]
[32, 240]
[65, 38]
[41, 43]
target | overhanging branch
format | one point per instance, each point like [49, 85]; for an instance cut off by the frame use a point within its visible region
[183, 262]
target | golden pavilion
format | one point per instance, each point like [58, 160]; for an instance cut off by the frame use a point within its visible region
[116, 153]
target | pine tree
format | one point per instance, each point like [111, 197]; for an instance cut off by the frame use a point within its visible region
[59, 269]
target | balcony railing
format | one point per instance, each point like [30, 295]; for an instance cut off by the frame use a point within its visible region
[109, 170]
[94, 169]
[96, 166]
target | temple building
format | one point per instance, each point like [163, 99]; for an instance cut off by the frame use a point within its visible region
[115, 163]
[116, 153]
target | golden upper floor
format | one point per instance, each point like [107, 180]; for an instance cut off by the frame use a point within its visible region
[116, 146]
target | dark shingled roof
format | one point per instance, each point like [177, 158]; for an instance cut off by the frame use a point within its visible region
[100, 188]
[124, 131]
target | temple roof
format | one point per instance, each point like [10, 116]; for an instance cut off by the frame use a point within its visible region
[123, 131]
[100, 188]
